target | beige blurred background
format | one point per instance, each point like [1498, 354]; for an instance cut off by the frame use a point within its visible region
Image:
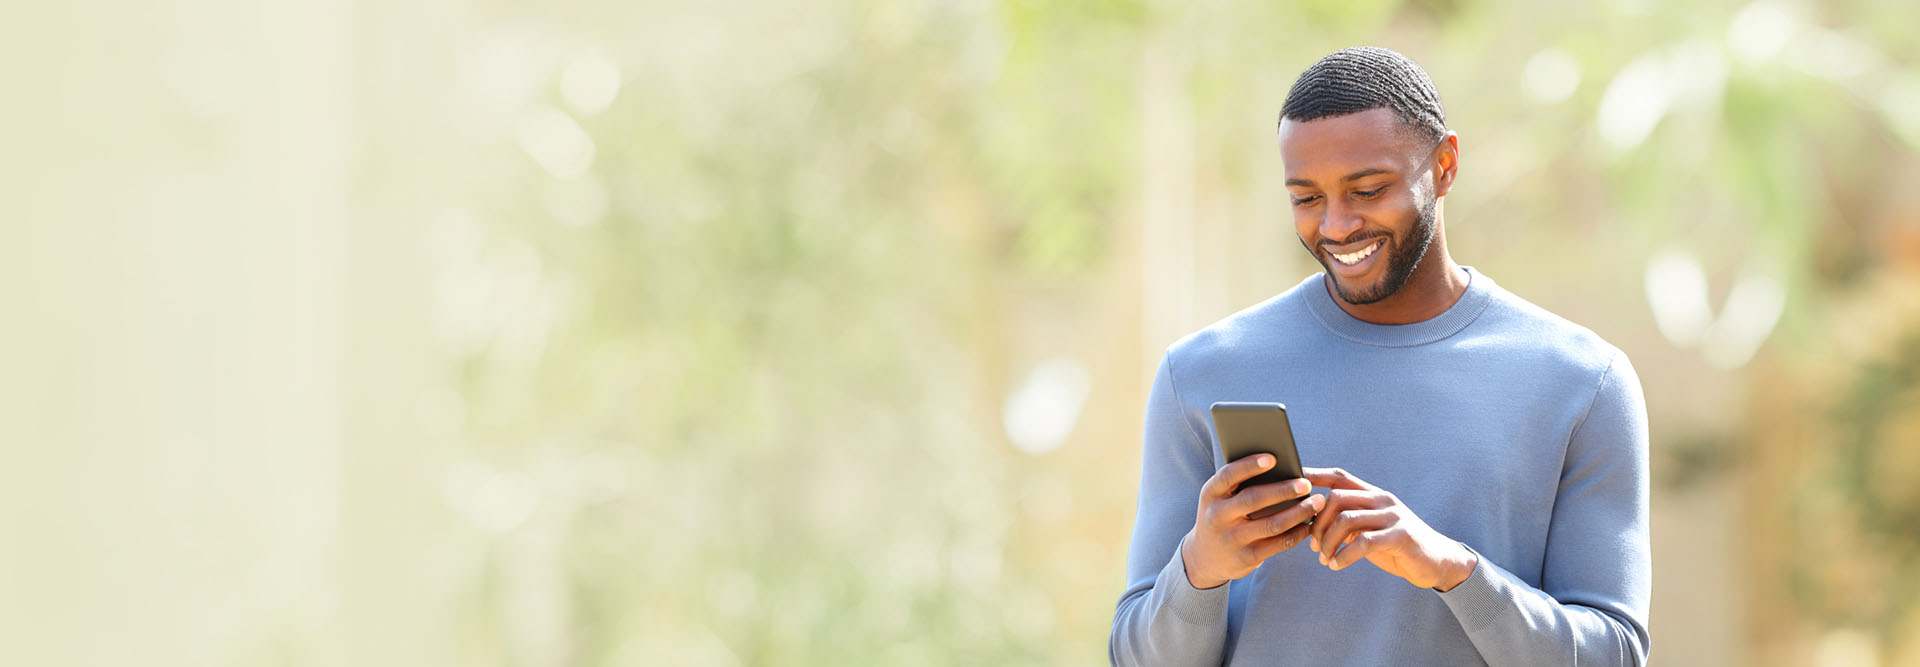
[765, 333]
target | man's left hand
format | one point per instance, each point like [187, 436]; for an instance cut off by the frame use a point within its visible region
[1361, 520]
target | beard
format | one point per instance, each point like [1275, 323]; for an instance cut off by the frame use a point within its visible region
[1402, 259]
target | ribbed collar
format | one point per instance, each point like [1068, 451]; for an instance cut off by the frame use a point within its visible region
[1457, 317]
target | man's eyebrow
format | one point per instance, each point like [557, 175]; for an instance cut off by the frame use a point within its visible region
[1370, 171]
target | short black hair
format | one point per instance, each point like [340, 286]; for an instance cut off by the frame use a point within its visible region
[1360, 78]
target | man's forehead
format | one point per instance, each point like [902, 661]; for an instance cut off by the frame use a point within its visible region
[1371, 138]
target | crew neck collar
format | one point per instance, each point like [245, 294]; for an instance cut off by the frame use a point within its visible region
[1456, 317]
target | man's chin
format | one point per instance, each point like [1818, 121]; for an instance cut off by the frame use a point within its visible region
[1359, 294]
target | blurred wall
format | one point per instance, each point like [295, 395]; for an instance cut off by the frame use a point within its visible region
[176, 376]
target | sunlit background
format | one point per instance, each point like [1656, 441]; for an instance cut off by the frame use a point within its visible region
[778, 333]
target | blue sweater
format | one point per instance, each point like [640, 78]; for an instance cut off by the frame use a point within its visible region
[1503, 426]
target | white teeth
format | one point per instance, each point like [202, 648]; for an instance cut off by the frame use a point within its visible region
[1357, 255]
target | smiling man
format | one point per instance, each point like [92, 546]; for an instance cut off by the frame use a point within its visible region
[1486, 495]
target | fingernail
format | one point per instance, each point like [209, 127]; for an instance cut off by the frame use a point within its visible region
[1313, 543]
[1265, 461]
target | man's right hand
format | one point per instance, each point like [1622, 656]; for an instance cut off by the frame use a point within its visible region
[1224, 544]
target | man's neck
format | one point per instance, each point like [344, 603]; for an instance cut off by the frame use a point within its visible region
[1433, 288]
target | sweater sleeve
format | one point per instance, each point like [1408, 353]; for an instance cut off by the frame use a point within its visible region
[1162, 619]
[1596, 579]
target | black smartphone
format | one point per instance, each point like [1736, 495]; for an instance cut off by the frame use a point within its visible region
[1244, 429]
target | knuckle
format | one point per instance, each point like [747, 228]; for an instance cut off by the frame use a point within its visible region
[1251, 498]
[1332, 523]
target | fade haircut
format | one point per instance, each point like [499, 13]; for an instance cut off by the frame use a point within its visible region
[1360, 78]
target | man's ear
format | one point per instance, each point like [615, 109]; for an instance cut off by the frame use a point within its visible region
[1446, 163]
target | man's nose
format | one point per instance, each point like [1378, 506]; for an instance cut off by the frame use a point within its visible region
[1340, 223]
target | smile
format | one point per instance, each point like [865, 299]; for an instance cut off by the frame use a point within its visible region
[1356, 256]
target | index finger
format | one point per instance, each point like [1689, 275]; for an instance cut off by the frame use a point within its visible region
[1336, 478]
[1228, 478]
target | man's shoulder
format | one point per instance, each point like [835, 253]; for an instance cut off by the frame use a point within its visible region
[1513, 320]
[1259, 326]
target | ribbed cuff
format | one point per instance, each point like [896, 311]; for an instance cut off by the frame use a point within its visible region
[1486, 594]
[1194, 605]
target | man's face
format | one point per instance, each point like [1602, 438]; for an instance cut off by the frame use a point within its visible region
[1364, 198]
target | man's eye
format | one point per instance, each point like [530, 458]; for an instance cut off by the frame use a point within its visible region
[1369, 194]
[1302, 201]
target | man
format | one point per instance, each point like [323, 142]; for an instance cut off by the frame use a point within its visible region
[1492, 457]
